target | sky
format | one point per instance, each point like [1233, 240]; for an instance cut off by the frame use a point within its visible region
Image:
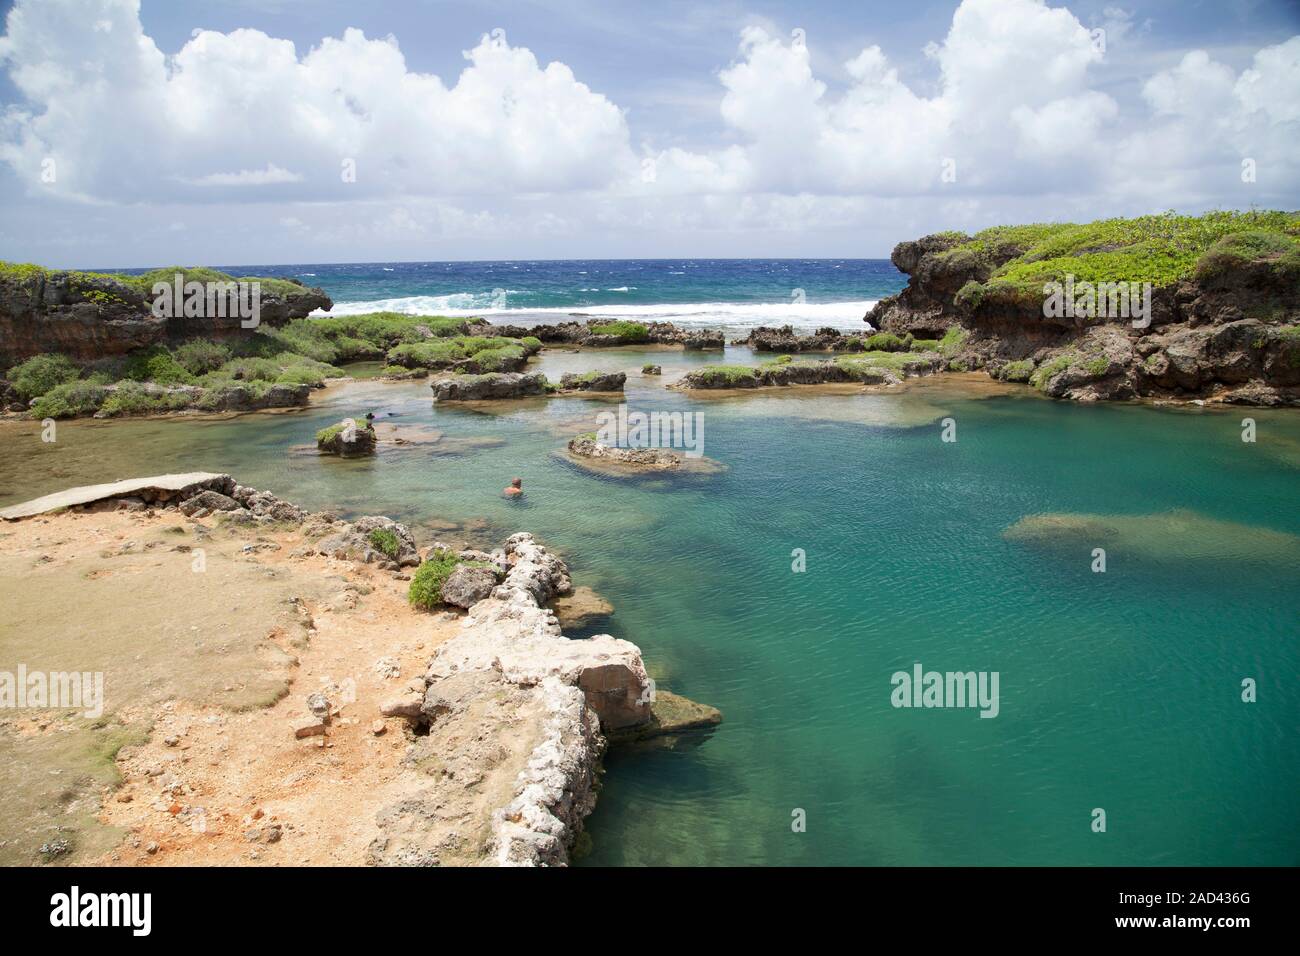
[286, 131]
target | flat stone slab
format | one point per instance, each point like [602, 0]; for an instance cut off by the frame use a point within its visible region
[670, 715]
[88, 494]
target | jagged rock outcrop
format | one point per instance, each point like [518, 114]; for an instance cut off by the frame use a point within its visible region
[467, 585]
[1226, 333]
[495, 385]
[566, 692]
[785, 339]
[650, 459]
[583, 334]
[87, 317]
[356, 541]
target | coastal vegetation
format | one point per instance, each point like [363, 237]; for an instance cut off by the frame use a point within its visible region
[627, 333]
[727, 376]
[196, 374]
[203, 373]
[385, 541]
[26, 272]
[1164, 249]
[426, 583]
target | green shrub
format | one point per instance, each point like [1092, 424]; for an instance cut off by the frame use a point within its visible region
[1045, 373]
[40, 373]
[69, 400]
[427, 581]
[1240, 248]
[1017, 371]
[268, 286]
[157, 365]
[891, 360]
[327, 434]
[925, 345]
[134, 398]
[217, 389]
[199, 356]
[301, 375]
[735, 376]
[625, 332]
[887, 342]
[953, 340]
[500, 358]
[384, 541]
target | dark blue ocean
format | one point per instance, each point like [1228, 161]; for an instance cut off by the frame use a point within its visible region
[729, 293]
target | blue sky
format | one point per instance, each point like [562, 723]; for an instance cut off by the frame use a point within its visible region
[143, 134]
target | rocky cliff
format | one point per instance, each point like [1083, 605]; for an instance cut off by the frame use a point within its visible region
[1219, 323]
[88, 316]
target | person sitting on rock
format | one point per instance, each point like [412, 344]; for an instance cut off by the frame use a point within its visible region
[516, 488]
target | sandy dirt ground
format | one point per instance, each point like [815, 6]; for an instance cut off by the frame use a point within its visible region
[222, 779]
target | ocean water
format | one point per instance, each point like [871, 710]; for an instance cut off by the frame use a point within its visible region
[730, 293]
[1118, 690]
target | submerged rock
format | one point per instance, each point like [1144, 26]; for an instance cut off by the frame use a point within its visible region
[581, 608]
[671, 715]
[1179, 535]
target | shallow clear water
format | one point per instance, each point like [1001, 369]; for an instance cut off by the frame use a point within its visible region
[1118, 690]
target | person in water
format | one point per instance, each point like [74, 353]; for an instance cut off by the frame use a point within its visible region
[516, 488]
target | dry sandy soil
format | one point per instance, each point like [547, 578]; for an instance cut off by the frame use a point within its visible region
[214, 666]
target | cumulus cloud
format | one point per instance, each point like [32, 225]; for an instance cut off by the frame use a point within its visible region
[121, 120]
[1016, 103]
[1013, 85]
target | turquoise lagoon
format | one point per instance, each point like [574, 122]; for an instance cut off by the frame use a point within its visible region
[1118, 690]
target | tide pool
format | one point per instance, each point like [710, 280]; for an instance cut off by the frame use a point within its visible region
[1118, 690]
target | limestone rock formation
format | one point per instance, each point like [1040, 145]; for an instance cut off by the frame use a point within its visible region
[1226, 333]
[650, 459]
[495, 385]
[348, 439]
[88, 317]
[593, 382]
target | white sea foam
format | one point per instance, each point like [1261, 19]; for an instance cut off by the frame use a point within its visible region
[806, 315]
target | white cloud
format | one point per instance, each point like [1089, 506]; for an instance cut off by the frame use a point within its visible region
[1017, 96]
[125, 122]
[269, 176]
